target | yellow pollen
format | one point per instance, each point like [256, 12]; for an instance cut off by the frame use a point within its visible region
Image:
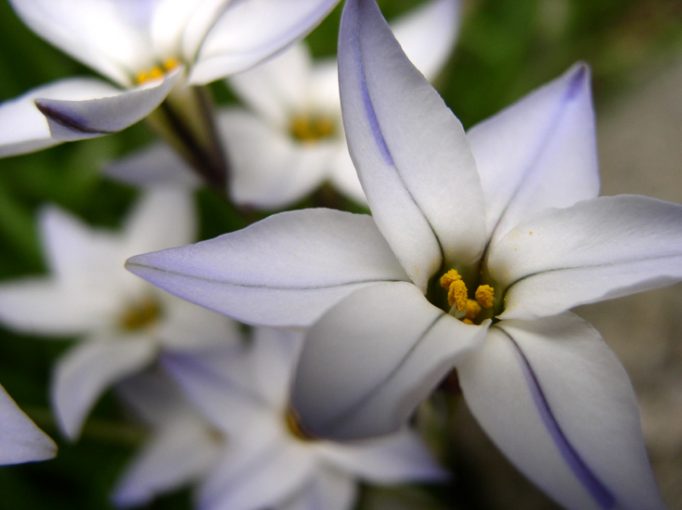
[467, 321]
[311, 128]
[458, 295]
[451, 276]
[485, 296]
[472, 310]
[170, 63]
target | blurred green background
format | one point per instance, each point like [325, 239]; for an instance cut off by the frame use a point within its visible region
[505, 49]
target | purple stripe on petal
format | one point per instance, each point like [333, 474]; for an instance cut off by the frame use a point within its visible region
[351, 10]
[67, 120]
[601, 494]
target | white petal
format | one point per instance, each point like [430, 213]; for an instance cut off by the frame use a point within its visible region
[20, 440]
[278, 87]
[87, 118]
[162, 218]
[188, 327]
[24, 129]
[387, 347]
[47, 307]
[262, 481]
[109, 36]
[274, 354]
[179, 454]
[156, 165]
[89, 369]
[75, 252]
[283, 271]
[397, 458]
[411, 153]
[268, 169]
[328, 488]
[249, 32]
[344, 177]
[559, 404]
[598, 249]
[538, 153]
[219, 383]
[178, 27]
[427, 34]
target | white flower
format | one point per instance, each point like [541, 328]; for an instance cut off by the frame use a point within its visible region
[266, 462]
[20, 440]
[122, 322]
[512, 207]
[136, 43]
[290, 140]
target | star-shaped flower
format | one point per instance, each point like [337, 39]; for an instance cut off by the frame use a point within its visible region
[290, 139]
[478, 246]
[20, 440]
[266, 461]
[153, 51]
[122, 322]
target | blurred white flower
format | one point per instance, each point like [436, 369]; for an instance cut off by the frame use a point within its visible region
[20, 440]
[290, 140]
[266, 460]
[478, 247]
[149, 49]
[122, 322]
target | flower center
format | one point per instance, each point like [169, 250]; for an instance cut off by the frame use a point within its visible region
[310, 128]
[140, 315]
[156, 72]
[293, 425]
[462, 306]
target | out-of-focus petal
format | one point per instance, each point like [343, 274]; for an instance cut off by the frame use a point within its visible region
[558, 403]
[396, 458]
[249, 32]
[329, 488]
[538, 153]
[162, 218]
[268, 169]
[278, 87]
[411, 153]
[283, 271]
[386, 347]
[261, 481]
[20, 440]
[87, 370]
[598, 249]
[109, 36]
[24, 129]
[344, 177]
[87, 118]
[178, 28]
[177, 455]
[153, 166]
[427, 34]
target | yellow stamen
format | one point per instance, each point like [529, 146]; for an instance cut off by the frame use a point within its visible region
[451, 276]
[311, 128]
[473, 309]
[458, 295]
[467, 321]
[485, 296]
[294, 426]
[170, 63]
[140, 315]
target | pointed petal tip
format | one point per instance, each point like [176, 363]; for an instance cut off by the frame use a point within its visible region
[578, 78]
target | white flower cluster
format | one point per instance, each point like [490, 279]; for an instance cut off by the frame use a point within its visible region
[477, 247]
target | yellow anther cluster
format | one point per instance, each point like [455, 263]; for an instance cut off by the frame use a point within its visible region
[468, 310]
[156, 72]
[311, 128]
[140, 315]
[485, 295]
